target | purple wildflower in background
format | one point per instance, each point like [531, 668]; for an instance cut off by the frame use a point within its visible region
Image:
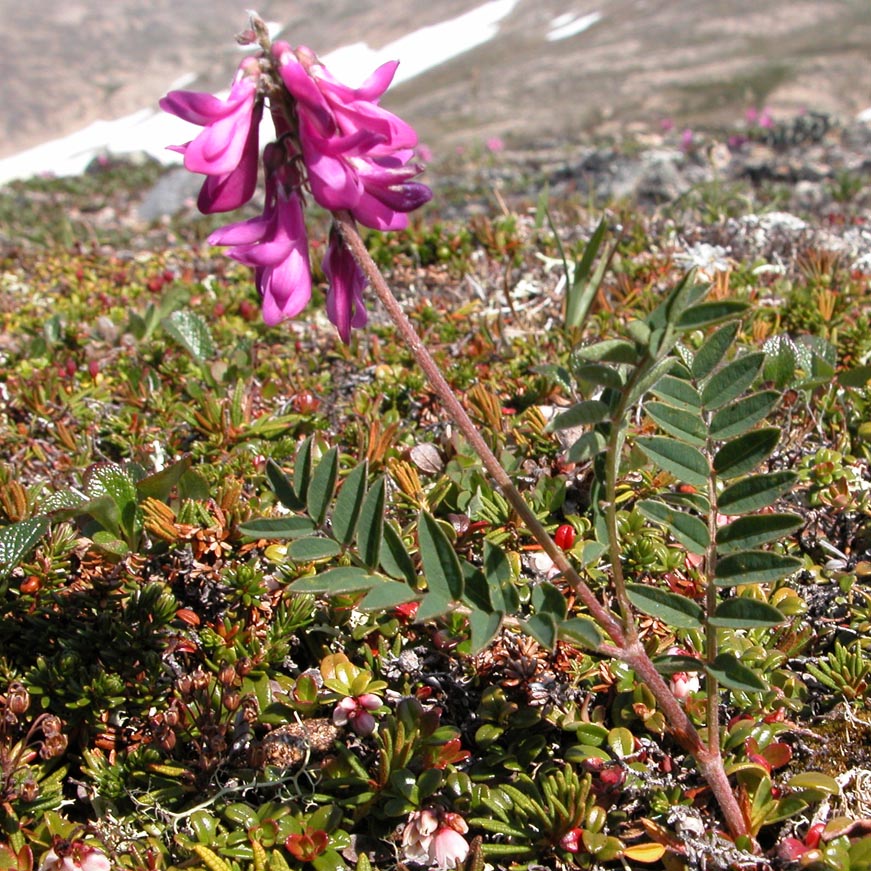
[334, 142]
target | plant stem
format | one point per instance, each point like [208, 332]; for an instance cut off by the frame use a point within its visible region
[629, 650]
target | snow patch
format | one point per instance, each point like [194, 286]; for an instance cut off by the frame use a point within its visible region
[570, 24]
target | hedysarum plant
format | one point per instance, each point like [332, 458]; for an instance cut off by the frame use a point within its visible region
[337, 145]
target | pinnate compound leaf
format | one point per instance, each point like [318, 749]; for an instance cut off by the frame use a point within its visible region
[686, 528]
[323, 482]
[282, 488]
[585, 413]
[676, 663]
[349, 502]
[683, 461]
[383, 597]
[713, 350]
[673, 609]
[596, 373]
[18, 539]
[192, 333]
[704, 314]
[609, 351]
[311, 548]
[750, 532]
[581, 630]
[484, 627]
[278, 528]
[497, 571]
[754, 567]
[730, 673]
[586, 447]
[742, 415]
[337, 582]
[781, 360]
[441, 566]
[370, 529]
[744, 453]
[742, 612]
[543, 628]
[678, 392]
[395, 559]
[651, 378]
[684, 425]
[755, 492]
[302, 469]
[732, 380]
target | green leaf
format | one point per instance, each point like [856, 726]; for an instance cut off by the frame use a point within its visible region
[681, 460]
[858, 376]
[684, 425]
[732, 380]
[704, 314]
[586, 447]
[337, 582]
[754, 567]
[111, 480]
[497, 570]
[743, 415]
[395, 559]
[676, 663]
[302, 468]
[734, 676]
[744, 453]
[370, 529]
[278, 528]
[742, 612]
[476, 590]
[192, 333]
[433, 605]
[609, 351]
[484, 628]
[581, 630]
[18, 539]
[543, 628]
[282, 488]
[673, 609]
[547, 599]
[160, 484]
[346, 511]
[383, 597]
[650, 379]
[821, 785]
[713, 350]
[678, 393]
[441, 567]
[313, 548]
[687, 529]
[109, 543]
[781, 361]
[749, 532]
[596, 373]
[755, 492]
[323, 482]
[582, 414]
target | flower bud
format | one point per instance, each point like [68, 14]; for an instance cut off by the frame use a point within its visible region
[18, 699]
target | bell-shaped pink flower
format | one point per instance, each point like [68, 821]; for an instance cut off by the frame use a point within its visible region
[355, 711]
[227, 149]
[74, 856]
[276, 245]
[345, 307]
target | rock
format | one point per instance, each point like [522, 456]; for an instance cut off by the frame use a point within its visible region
[170, 195]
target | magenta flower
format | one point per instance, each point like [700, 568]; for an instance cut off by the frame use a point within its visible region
[355, 711]
[74, 856]
[357, 154]
[276, 245]
[345, 306]
[226, 151]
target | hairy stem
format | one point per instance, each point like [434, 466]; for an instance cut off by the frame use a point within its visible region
[629, 650]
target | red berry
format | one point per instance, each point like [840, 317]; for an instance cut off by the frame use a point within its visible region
[564, 537]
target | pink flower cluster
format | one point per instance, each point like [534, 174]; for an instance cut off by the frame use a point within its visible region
[434, 836]
[356, 712]
[333, 141]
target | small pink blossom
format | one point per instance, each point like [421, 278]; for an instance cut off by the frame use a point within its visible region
[686, 139]
[683, 683]
[435, 836]
[74, 856]
[666, 125]
[495, 144]
[356, 712]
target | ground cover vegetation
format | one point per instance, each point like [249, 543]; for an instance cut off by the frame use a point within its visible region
[265, 607]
